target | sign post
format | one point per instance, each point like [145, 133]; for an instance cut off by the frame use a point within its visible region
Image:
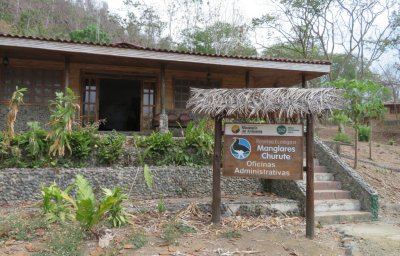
[267, 151]
[216, 189]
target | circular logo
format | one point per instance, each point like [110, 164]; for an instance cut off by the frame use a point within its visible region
[235, 129]
[240, 148]
[281, 129]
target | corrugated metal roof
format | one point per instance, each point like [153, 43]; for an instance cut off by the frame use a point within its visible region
[137, 47]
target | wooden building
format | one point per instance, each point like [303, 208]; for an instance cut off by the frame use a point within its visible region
[129, 85]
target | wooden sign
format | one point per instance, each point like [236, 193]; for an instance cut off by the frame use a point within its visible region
[268, 151]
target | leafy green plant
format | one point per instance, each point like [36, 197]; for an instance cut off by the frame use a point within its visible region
[364, 133]
[117, 213]
[89, 212]
[391, 142]
[161, 206]
[110, 148]
[199, 142]
[54, 205]
[63, 112]
[34, 145]
[342, 137]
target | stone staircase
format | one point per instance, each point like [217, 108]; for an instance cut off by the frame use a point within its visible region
[333, 204]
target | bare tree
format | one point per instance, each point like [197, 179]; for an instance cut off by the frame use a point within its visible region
[363, 31]
[391, 79]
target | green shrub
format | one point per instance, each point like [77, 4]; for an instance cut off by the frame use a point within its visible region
[159, 143]
[81, 142]
[110, 148]
[391, 142]
[364, 133]
[342, 137]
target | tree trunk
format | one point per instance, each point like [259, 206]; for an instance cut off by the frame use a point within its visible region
[370, 140]
[341, 128]
[356, 148]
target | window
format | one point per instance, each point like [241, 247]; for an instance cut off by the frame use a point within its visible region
[41, 84]
[148, 104]
[182, 89]
[89, 109]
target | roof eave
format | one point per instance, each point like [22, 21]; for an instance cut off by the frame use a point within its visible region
[68, 47]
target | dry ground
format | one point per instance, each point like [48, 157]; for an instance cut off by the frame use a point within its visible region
[239, 235]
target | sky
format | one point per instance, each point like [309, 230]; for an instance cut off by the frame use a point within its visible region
[247, 8]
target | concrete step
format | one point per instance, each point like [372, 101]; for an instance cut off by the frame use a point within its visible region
[327, 185]
[320, 176]
[316, 162]
[327, 218]
[331, 194]
[320, 169]
[333, 205]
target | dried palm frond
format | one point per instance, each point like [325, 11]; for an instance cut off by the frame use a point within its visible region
[13, 108]
[264, 103]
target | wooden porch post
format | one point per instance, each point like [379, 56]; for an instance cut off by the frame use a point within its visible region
[216, 189]
[310, 215]
[163, 115]
[66, 71]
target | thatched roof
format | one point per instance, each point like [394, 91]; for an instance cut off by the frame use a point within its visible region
[264, 102]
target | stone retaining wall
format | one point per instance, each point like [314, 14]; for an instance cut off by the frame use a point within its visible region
[349, 178]
[24, 184]
[25, 114]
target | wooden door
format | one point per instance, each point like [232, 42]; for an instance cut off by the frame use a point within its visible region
[90, 100]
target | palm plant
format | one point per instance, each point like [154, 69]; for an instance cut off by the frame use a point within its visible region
[63, 112]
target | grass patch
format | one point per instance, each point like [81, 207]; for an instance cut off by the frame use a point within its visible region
[64, 241]
[342, 137]
[231, 234]
[138, 239]
[22, 227]
[173, 230]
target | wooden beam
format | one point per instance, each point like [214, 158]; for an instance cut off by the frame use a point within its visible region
[247, 79]
[216, 189]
